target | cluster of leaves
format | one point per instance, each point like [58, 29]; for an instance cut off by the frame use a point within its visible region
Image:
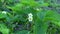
[15, 21]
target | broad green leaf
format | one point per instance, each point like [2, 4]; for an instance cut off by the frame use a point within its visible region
[4, 29]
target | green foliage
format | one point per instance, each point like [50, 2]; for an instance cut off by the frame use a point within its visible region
[15, 21]
[4, 29]
[21, 32]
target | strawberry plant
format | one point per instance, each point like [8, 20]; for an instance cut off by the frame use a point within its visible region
[29, 17]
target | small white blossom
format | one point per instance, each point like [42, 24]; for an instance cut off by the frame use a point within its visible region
[37, 9]
[4, 12]
[30, 17]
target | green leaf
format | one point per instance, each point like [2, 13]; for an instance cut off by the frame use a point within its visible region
[22, 32]
[4, 29]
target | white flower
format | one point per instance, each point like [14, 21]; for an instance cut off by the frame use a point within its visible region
[30, 17]
[37, 9]
[4, 12]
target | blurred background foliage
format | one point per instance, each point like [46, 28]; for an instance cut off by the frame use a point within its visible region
[14, 16]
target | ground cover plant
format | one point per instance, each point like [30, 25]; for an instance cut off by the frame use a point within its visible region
[29, 17]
